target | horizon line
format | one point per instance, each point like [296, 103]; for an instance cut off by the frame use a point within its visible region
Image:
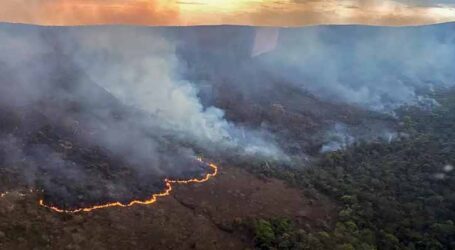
[226, 25]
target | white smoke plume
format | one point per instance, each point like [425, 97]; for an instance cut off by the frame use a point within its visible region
[77, 90]
[138, 67]
[377, 68]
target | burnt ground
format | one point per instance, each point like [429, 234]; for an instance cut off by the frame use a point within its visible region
[199, 216]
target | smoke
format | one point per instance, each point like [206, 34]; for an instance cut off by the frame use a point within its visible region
[110, 97]
[320, 76]
[341, 136]
[372, 68]
[108, 100]
[377, 68]
[140, 68]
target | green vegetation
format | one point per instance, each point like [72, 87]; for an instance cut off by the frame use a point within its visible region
[277, 233]
[398, 195]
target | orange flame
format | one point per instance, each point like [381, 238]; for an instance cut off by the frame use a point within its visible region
[151, 200]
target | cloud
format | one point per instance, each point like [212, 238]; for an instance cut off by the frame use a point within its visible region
[242, 12]
[371, 12]
[87, 12]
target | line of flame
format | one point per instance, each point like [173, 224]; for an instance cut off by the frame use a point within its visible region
[148, 201]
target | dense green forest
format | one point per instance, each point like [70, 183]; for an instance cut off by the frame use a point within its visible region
[392, 195]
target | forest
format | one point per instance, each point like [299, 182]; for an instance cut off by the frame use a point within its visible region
[391, 195]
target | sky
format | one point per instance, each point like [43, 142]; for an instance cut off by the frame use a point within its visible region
[213, 12]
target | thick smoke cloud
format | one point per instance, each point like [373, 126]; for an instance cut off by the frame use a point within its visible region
[111, 88]
[140, 69]
[329, 74]
[375, 68]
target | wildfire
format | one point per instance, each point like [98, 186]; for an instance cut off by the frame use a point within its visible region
[153, 198]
